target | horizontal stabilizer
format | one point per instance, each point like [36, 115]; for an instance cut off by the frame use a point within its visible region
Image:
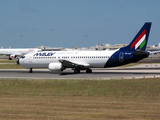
[140, 52]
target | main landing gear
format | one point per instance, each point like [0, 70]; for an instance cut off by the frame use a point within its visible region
[77, 71]
[87, 70]
[31, 70]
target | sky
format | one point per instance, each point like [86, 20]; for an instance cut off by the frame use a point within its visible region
[78, 23]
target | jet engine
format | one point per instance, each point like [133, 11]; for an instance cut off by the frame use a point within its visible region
[12, 57]
[55, 67]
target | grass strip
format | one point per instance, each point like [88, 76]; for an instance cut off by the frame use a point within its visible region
[7, 61]
[136, 88]
[10, 66]
[136, 99]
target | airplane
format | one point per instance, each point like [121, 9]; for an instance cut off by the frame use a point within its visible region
[85, 60]
[15, 52]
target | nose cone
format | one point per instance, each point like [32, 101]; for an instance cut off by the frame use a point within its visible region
[18, 62]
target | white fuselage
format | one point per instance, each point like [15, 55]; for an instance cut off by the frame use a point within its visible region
[90, 59]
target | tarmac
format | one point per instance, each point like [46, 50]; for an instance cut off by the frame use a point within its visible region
[134, 72]
[149, 68]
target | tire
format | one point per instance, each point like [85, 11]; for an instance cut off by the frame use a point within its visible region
[76, 71]
[88, 71]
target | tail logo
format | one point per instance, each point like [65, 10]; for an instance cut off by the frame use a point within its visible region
[140, 41]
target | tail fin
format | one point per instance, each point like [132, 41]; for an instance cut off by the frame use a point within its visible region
[140, 40]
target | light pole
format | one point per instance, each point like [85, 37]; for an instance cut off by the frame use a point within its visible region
[21, 38]
[86, 39]
[91, 40]
[52, 38]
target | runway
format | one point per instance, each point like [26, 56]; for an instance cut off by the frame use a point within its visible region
[140, 71]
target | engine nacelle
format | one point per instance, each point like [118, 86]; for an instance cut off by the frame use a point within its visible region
[12, 57]
[55, 66]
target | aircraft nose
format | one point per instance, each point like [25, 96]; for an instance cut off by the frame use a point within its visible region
[18, 62]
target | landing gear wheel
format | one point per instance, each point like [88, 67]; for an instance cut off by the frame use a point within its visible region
[76, 71]
[30, 70]
[88, 71]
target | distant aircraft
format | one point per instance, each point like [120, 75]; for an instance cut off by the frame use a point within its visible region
[84, 60]
[154, 52]
[15, 53]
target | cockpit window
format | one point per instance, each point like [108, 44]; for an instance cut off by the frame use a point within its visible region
[23, 56]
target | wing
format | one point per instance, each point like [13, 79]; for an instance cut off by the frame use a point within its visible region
[69, 64]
